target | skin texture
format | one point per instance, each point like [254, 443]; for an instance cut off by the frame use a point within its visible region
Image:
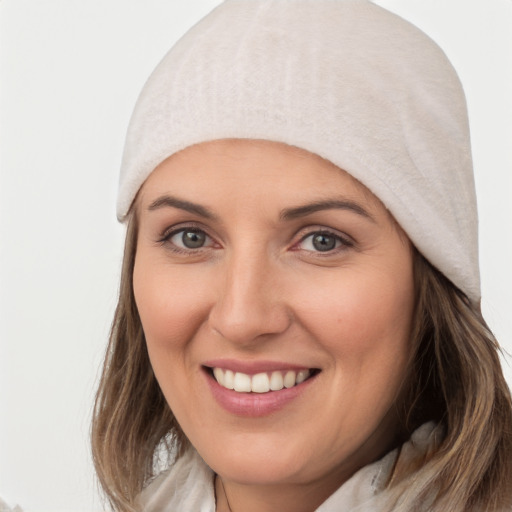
[260, 290]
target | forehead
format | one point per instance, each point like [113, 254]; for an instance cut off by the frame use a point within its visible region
[255, 165]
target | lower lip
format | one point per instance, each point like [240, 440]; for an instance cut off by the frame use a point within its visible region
[255, 404]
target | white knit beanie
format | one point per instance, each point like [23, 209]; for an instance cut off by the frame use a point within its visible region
[344, 79]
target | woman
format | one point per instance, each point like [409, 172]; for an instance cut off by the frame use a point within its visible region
[298, 325]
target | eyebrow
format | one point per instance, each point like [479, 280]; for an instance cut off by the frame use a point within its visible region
[328, 204]
[167, 201]
[173, 202]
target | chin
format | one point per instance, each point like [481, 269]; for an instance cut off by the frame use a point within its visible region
[263, 461]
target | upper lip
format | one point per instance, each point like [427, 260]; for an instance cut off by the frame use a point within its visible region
[253, 367]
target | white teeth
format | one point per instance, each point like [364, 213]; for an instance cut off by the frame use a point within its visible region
[302, 376]
[289, 379]
[276, 381]
[219, 375]
[229, 379]
[242, 383]
[260, 382]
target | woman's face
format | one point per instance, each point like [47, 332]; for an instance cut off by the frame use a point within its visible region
[259, 265]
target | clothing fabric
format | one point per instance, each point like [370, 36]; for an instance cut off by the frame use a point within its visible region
[5, 508]
[344, 79]
[189, 485]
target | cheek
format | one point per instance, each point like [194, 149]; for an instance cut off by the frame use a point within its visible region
[171, 307]
[363, 319]
[171, 304]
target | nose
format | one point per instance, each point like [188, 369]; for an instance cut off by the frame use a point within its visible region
[250, 303]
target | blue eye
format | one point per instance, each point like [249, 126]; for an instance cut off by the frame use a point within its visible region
[321, 241]
[190, 239]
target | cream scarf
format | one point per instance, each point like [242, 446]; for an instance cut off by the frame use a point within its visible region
[188, 485]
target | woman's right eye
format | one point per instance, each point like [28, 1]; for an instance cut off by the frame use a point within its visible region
[188, 239]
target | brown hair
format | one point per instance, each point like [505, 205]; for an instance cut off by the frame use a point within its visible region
[455, 378]
[131, 418]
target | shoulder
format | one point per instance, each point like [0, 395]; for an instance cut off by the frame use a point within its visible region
[187, 485]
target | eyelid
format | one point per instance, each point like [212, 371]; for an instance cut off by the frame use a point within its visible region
[171, 231]
[346, 240]
[208, 241]
[181, 226]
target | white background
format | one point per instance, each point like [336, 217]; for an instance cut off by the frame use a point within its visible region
[70, 73]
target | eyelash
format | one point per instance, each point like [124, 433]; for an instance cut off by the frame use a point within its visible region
[342, 242]
[166, 237]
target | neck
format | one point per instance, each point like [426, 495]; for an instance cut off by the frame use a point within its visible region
[297, 496]
[232, 497]
[235, 497]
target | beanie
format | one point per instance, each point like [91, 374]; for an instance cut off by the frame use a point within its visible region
[344, 79]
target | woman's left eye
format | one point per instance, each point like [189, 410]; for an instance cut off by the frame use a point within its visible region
[322, 241]
[190, 239]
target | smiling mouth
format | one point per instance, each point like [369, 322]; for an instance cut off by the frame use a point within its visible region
[264, 382]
